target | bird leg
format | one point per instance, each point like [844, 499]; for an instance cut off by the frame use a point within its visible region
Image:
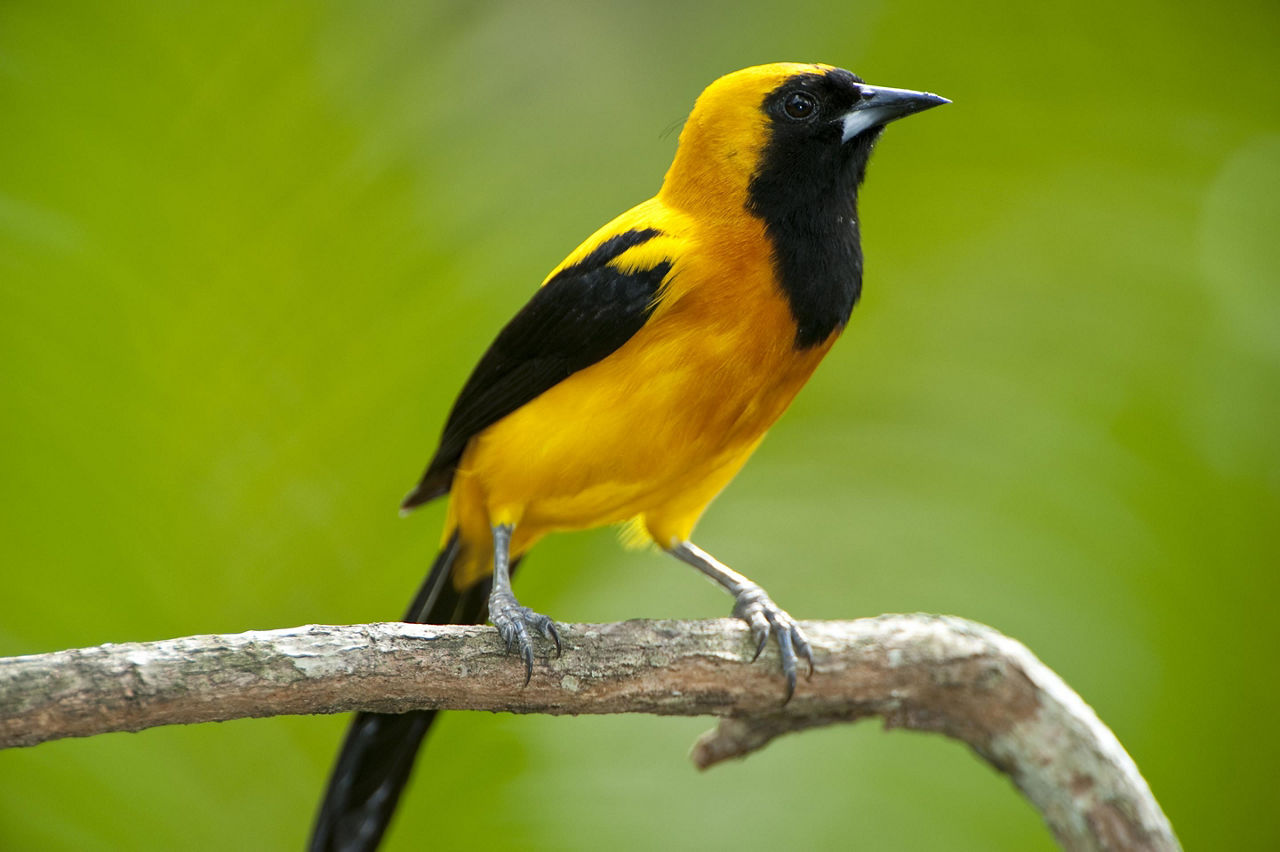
[505, 612]
[756, 608]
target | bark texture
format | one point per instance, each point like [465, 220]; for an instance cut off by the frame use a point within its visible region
[922, 672]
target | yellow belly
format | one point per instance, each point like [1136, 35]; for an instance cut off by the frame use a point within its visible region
[652, 432]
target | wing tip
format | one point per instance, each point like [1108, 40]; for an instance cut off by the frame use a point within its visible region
[424, 492]
[411, 501]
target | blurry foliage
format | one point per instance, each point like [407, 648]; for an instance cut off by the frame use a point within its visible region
[249, 251]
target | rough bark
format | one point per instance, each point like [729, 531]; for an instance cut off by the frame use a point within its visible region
[921, 672]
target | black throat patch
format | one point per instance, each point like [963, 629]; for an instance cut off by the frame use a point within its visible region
[805, 191]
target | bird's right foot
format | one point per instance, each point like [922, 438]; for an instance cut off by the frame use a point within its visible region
[516, 624]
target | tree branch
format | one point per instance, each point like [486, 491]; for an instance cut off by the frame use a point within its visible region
[921, 672]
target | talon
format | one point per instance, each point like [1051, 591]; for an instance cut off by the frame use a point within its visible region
[761, 641]
[788, 654]
[554, 635]
[803, 650]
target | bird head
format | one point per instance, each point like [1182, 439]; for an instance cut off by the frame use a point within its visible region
[782, 134]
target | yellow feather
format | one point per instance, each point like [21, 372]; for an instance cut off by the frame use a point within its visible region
[649, 435]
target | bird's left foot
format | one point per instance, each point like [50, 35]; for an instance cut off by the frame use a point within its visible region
[757, 609]
[766, 619]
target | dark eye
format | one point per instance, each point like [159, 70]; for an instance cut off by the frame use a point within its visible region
[800, 105]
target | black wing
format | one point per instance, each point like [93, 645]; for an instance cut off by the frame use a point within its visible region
[584, 313]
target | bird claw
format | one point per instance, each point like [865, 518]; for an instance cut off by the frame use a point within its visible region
[514, 623]
[767, 619]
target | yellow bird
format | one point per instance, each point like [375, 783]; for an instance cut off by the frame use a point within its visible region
[641, 375]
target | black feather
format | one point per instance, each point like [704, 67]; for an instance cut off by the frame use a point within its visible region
[378, 752]
[577, 318]
[805, 190]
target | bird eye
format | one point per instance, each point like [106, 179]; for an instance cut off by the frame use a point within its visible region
[800, 105]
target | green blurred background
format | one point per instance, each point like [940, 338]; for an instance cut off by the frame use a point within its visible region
[249, 251]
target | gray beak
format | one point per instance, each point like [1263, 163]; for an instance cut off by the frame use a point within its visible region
[880, 105]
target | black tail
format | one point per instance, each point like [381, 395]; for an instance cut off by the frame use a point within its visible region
[378, 753]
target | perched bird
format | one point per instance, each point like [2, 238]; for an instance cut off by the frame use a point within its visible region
[639, 378]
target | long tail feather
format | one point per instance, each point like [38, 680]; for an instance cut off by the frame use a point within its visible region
[378, 753]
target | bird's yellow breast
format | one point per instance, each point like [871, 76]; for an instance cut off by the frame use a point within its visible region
[656, 429]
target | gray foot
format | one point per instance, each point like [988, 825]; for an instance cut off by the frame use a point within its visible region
[766, 619]
[514, 623]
